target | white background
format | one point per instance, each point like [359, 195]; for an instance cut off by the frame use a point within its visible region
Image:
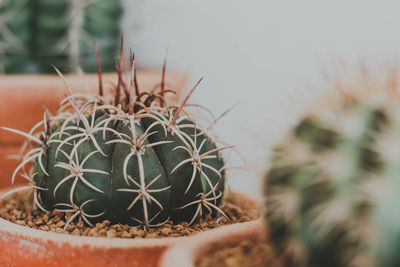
[261, 53]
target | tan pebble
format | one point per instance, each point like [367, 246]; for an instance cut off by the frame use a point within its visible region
[116, 227]
[44, 228]
[86, 231]
[45, 218]
[56, 219]
[125, 234]
[39, 222]
[165, 231]
[244, 219]
[93, 232]
[186, 232]
[111, 233]
[60, 224]
[213, 224]
[80, 225]
[152, 235]
[102, 232]
[141, 233]
[20, 222]
[59, 230]
[16, 212]
[76, 232]
[106, 223]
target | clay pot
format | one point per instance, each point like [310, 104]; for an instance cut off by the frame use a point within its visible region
[22, 98]
[23, 246]
[188, 252]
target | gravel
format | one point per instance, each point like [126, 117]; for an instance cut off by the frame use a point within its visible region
[18, 209]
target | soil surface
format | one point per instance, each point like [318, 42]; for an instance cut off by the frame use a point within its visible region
[17, 208]
[247, 253]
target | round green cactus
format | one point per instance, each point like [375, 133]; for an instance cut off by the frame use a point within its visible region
[334, 182]
[134, 160]
[37, 34]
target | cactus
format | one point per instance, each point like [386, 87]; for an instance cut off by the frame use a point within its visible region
[333, 184]
[132, 158]
[15, 36]
[37, 34]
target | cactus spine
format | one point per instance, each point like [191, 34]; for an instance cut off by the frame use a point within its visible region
[133, 159]
[334, 182]
[60, 33]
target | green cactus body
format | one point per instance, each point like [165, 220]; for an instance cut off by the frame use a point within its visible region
[142, 162]
[15, 36]
[332, 186]
[60, 33]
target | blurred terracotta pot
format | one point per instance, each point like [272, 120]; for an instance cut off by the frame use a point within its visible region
[22, 98]
[188, 252]
[23, 246]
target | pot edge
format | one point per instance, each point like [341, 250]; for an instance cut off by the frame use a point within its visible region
[12, 229]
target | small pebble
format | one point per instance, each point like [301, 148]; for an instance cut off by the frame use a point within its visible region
[76, 232]
[60, 224]
[125, 234]
[111, 233]
[165, 231]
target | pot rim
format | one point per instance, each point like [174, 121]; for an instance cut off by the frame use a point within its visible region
[187, 252]
[86, 82]
[100, 242]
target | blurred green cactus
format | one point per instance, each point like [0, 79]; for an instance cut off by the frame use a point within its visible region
[15, 36]
[333, 184]
[36, 34]
[133, 159]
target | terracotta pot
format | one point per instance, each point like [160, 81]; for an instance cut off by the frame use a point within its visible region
[23, 246]
[188, 252]
[22, 98]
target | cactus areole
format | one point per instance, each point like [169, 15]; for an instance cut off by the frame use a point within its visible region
[134, 159]
[333, 186]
